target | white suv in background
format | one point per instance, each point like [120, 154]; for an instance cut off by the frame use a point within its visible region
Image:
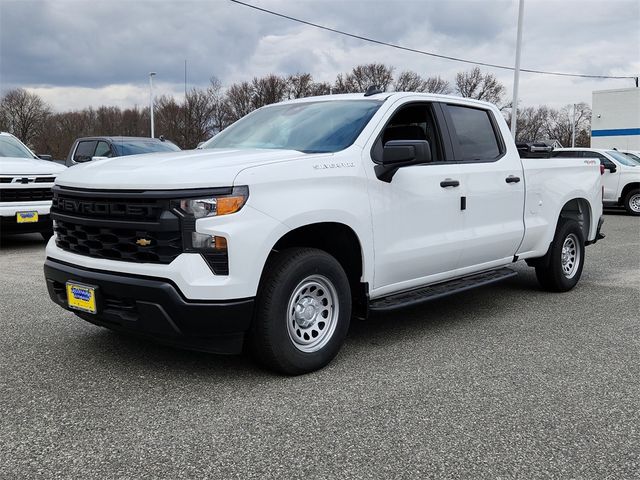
[25, 188]
[621, 177]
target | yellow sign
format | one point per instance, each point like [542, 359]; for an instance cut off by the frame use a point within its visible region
[26, 217]
[81, 297]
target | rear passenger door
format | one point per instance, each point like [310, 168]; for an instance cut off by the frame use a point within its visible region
[492, 190]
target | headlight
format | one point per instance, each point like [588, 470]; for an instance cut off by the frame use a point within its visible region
[216, 206]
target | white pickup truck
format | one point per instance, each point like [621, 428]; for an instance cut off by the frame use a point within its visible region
[307, 212]
[620, 176]
[25, 188]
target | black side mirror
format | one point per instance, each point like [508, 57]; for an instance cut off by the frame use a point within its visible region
[44, 157]
[401, 153]
[611, 168]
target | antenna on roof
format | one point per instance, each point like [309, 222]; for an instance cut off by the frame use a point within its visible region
[372, 90]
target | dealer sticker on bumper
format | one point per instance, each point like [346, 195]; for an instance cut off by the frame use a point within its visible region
[26, 217]
[81, 297]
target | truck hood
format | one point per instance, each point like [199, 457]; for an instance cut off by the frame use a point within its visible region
[172, 170]
[28, 166]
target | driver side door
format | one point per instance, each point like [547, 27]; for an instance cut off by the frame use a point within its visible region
[417, 217]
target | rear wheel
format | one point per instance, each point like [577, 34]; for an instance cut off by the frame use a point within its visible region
[566, 258]
[303, 311]
[632, 202]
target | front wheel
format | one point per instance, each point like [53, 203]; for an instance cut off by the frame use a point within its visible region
[632, 202]
[303, 311]
[566, 258]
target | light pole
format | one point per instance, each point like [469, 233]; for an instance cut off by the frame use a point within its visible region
[151, 75]
[516, 72]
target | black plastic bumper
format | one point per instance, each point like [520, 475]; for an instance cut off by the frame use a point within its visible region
[155, 308]
[9, 225]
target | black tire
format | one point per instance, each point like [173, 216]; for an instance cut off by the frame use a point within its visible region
[271, 339]
[555, 276]
[632, 202]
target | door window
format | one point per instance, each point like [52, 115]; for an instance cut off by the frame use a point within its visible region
[102, 150]
[415, 121]
[475, 134]
[85, 150]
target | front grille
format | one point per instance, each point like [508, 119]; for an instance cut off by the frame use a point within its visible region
[25, 194]
[135, 227]
[131, 245]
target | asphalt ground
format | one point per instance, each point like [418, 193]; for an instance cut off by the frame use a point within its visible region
[505, 381]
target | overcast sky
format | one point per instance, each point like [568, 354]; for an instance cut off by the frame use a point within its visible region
[77, 53]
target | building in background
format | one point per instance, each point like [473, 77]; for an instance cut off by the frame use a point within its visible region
[616, 119]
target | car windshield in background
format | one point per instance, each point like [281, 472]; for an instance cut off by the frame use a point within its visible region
[10, 147]
[136, 147]
[622, 158]
[309, 127]
[633, 157]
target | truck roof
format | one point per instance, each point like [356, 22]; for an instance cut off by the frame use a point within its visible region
[388, 95]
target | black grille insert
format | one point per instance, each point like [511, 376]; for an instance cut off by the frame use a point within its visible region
[126, 244]
[25, 194]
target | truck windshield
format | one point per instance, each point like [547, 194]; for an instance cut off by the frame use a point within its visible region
[10, 147]
[309, 127]
[622, 158]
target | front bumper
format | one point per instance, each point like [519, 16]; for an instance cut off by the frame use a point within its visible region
[154, 308]
[9, 224]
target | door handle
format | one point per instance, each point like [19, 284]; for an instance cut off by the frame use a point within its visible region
[512, 179]
[447, 182]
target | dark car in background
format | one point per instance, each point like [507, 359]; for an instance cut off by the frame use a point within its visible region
[95, 148]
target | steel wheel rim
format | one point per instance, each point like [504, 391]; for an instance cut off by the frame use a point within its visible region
[312, 313]
[634, 203]
[570, 257]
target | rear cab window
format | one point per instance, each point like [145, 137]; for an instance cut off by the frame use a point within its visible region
[474, 134]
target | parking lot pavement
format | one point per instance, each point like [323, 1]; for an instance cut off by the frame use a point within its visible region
[501, 382]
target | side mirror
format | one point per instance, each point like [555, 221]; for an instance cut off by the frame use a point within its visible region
[401, 153]
[611, 168]
[98, 158]
[44, 157]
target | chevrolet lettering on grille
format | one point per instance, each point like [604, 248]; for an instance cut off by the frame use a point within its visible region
[102, 208]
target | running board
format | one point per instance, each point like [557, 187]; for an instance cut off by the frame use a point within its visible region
[424, 294]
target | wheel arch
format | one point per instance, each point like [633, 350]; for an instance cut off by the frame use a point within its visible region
[578, 209]
[628, 187]
[340, 241]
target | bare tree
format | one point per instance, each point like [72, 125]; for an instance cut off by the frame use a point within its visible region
[362, 77]
[560, 125]
[23, 114]
[410, 81]
[478, 85]
[267, 90]
[239, 99]
[221, 111]
[299, 85]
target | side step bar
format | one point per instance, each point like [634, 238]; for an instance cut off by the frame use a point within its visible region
[438, 290]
